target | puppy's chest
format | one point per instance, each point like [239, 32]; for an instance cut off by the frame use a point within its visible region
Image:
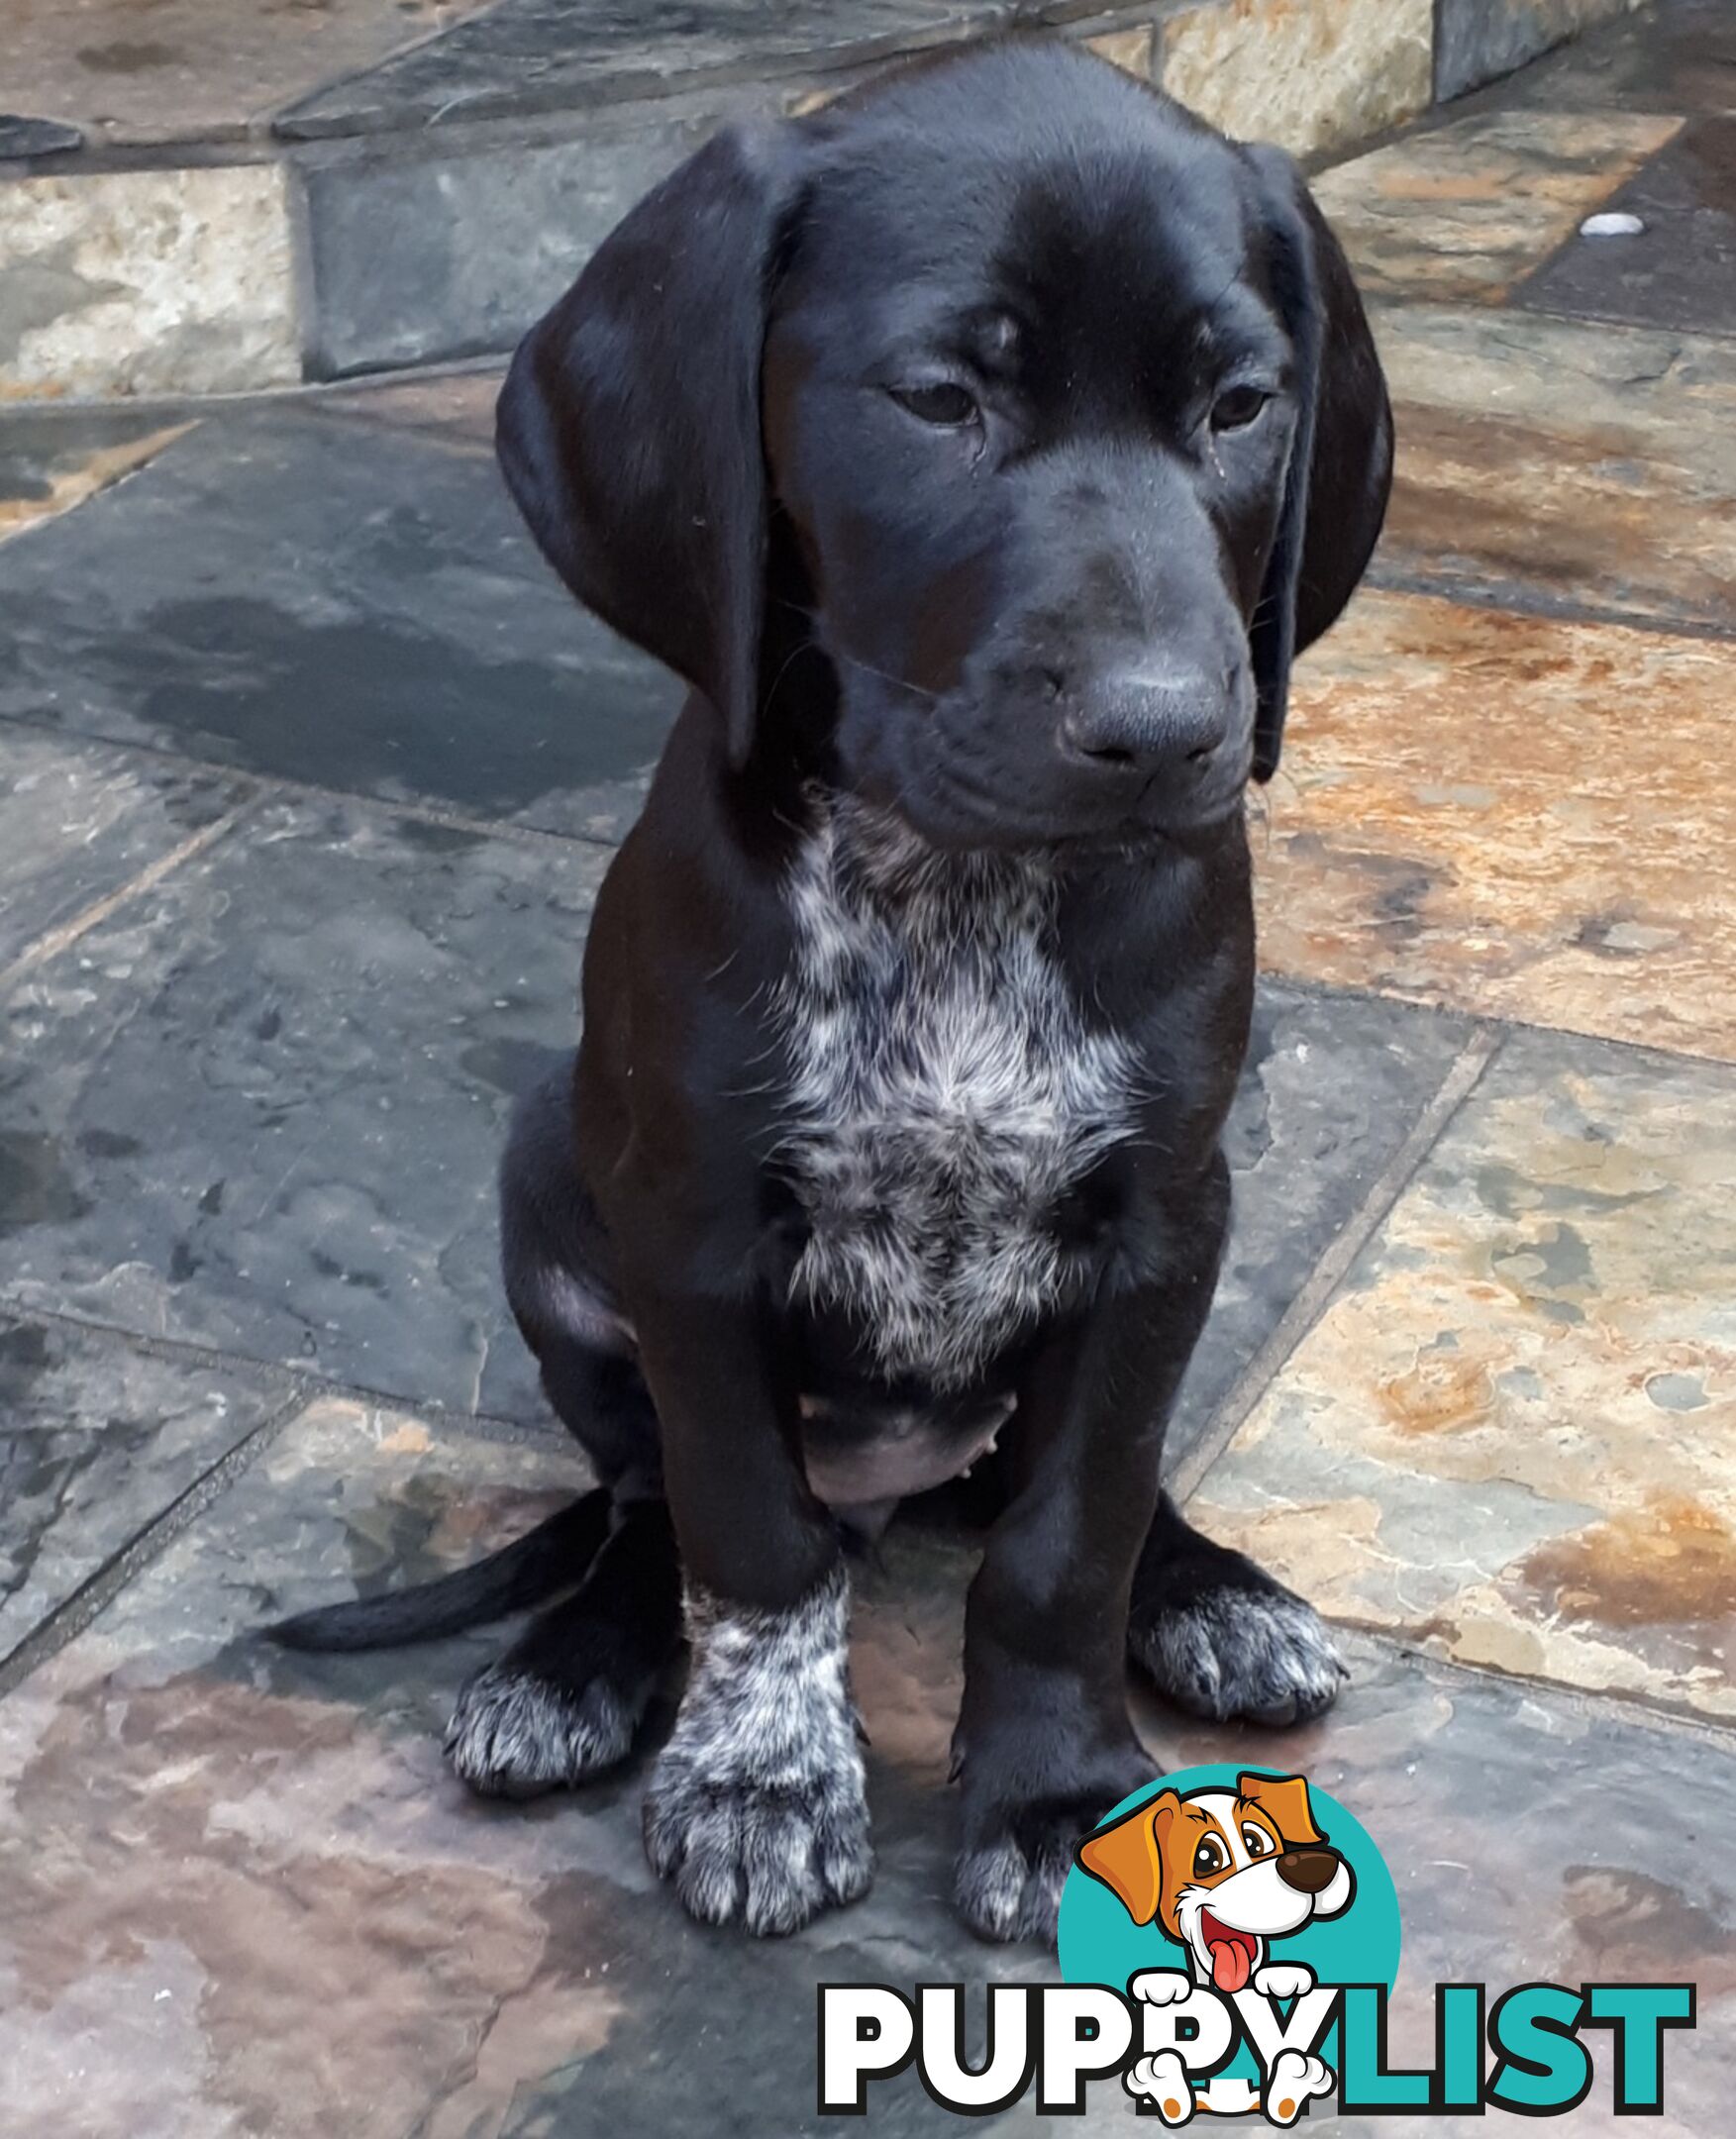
[944, 1097]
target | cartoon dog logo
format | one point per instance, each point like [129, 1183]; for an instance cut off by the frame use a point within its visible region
[1224, 1873]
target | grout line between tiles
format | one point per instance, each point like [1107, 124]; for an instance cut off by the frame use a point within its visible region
[307, 1385]
[57, 939]
[271, 786]
[68, 1619]
[1592, 1700]
[1334, 1265]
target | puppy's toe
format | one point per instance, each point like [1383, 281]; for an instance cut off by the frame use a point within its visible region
[515, 1734]
[1007, 1891]
[761, 1855]
[1260, 1653]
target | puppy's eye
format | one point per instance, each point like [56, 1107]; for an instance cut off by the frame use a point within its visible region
[1210, 1857]
[1258, 1841]
[1237, 407]
[949, 407]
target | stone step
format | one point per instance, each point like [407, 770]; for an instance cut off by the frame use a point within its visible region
[240, 197]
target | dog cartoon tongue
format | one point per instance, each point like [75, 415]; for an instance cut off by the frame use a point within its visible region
[1232, 1960]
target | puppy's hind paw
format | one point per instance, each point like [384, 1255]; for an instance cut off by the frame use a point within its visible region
[1260, 1653]
[516, 1734]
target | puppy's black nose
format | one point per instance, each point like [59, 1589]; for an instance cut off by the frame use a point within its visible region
[1147, 720]
[1308, 1870]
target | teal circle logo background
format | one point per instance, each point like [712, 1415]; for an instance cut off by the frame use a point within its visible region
[1102, 1943]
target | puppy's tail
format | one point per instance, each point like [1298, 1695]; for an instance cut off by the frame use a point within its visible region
[552, 1557]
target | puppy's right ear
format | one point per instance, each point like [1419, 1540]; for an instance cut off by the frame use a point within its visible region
[628, 429]
[1127, 1857]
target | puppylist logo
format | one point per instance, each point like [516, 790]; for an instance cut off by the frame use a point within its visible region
[1229, 1940]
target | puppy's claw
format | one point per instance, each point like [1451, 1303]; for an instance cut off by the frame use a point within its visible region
[1258, 1653]
[514, 1734]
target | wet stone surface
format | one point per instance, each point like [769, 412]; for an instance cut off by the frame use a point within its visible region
[356, 606]
[266, 1106]
[347, 1939]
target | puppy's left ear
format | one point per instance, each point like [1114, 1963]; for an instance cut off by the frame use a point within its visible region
[628, 429]
[1340, 462]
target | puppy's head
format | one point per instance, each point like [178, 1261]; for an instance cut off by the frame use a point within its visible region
[1223, 1872]
[1018, 424]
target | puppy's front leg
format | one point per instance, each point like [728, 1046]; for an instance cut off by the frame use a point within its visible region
[1044, 1745]
[755, 1809]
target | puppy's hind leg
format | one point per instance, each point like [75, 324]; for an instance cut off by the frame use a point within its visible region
[567, 1697]
[1216, 1635]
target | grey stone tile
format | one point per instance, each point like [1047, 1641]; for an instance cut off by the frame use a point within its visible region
[349, 1943]
[531, 55]
[1476, 41]
[352, 605]
[96, 1440]
[1332, 1087]
[422, 251]
[262, 1110]
[1677, 57]
[1680, 269]
[78, 821]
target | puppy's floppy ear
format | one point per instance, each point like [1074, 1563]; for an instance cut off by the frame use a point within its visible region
[1341, 463]
[1285, 1801]
[628, 429]
[1128, 1855]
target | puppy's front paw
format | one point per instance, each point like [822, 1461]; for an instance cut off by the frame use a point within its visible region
[1020, 1835]
[517, 1734]
[755, 1809]
[1283, 1979]
[1293, 2081]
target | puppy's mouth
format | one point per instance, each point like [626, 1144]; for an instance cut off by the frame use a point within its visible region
[1233, 1953]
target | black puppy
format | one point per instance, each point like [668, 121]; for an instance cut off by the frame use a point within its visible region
[980, 449]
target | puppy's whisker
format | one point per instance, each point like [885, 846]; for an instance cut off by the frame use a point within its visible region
[899, 682]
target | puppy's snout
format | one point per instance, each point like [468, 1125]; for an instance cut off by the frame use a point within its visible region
[1308, 1870]
[1147, 720]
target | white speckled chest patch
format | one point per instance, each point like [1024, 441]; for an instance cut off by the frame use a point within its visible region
[945, 1093]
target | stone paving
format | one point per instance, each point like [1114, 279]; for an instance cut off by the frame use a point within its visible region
[308, 775]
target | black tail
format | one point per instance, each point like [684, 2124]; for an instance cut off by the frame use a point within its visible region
[552, 1557]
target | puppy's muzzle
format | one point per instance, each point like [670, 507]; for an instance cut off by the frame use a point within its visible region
[1308, 1870]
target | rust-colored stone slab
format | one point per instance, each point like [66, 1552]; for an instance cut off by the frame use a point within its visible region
[244, 1895]
[1513, 814]
[1616, 497]
[1463, 210]
[1512, 1436]
[161, 70]
[1308, 75]
[45, 468]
